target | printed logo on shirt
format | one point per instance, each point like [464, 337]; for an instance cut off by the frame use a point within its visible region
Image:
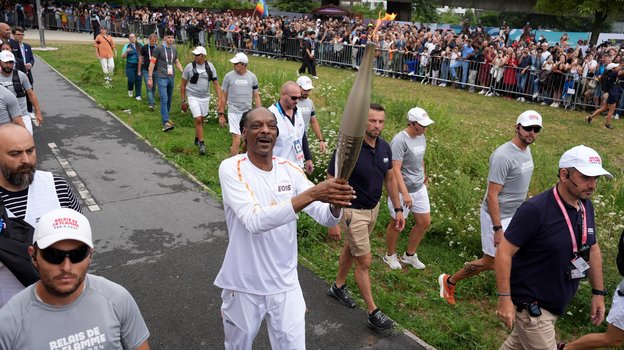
[241, 82]
[385, 160]
[418, 149]
[90, 339]
[284, 188]
[590, 230]
[528, 165]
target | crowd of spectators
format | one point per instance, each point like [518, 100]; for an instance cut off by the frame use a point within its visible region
[526, 68]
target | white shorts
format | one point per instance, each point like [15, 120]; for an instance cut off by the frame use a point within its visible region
[234, 122]
[616, 314]
[27, 123]
[284, 313]
[108, 65]
[198, 106]
[420, 203]
[487, 233]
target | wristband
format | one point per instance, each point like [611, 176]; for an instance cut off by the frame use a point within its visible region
[396, 210]
[497, 227]
[321, 140]
[503, 294]
[220, 113]
[599, 292]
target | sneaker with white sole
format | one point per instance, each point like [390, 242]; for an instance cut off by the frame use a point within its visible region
[412, 260]
[130, 93]
[482, 92]
[447, 291]
[138, 98]
[392, 261]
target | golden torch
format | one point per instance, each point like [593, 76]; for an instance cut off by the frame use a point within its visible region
[355, 115]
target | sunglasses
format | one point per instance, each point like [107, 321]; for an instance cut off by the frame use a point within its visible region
[57, 256]
[535, 128]
[294, 98]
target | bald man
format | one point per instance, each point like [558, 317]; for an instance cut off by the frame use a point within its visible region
[27, 193]
[292, 142]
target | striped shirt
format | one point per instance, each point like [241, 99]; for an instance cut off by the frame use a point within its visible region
[16, 201]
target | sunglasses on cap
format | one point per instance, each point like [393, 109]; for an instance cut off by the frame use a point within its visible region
[535, 128]
[57, 256]
[294, 98]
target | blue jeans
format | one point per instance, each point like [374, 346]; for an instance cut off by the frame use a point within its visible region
[464, 66]
[150, 92]
[165, 89]
[134, 81]
[521, 79]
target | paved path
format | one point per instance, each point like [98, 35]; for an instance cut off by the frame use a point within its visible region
[159, 234]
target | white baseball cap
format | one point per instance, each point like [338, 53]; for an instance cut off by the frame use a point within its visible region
[305, 82]
[612, 65]
[240, 58]
[200, 50]
[7, 56]
[62, 224]
[420, 116]
[585, 160]
[529, 118]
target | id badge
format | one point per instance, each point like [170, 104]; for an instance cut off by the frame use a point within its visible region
[298, 150]
[170, 69]
[580, 264]
[576, 274]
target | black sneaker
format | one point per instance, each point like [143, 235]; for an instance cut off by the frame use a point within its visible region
[202, 149]
[196, 141]
[342, 294]
[379, 321]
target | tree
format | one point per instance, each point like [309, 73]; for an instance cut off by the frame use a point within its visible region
[424, 11]
[305, 6]
[367, 12]
[598, 10]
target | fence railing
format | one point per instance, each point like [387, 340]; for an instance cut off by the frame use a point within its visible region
[558, 89]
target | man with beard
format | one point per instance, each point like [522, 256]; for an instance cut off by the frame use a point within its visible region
[549, 247]
[306, 106]
[88, 311]
[27, 193]
[262, 196]
[511, 168]
[17, 83]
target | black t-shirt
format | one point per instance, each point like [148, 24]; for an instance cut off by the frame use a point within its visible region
[145, 53]
[368, 176]
[539, 268]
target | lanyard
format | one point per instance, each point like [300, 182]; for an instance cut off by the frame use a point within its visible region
[169, 61]
[567, 219]
[149, 51]
[289, 124]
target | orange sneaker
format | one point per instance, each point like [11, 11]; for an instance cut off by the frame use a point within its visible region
[447, 291]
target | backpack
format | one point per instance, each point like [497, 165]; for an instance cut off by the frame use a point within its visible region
[607, 81]
[17, 85]
[195, 76]
[620, 255]
[16, 235]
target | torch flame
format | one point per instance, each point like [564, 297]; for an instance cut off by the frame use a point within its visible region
[380, 20]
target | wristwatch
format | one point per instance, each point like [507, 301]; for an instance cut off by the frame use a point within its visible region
[599, 292]
[396, 210]
[497, 227]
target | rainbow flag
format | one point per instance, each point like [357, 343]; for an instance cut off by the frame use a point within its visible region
[262, 8]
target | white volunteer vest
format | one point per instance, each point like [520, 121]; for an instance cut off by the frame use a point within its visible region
[288, 134]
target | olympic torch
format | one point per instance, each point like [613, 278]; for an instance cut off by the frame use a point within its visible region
[354, 120]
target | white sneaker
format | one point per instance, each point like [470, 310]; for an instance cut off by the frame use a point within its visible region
[315, 77]
[410, 73]
[535, 95]
[392, 261]
[443, 85]
[138, 98]
[413, 260]
[130, 93]
[617, 116]
[482, 92]
[543, 103]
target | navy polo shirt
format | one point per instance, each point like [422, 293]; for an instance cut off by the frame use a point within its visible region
[368, 176]
[539, 268]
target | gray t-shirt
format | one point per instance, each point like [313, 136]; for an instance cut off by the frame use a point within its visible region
[411, 151]
[9, 107]
[105, 316]
[306, 106]
[512, 168]
[202, 88]
[7, 82]
[240, 90]
[163, 58]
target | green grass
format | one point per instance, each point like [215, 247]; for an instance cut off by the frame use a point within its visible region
[467, 129]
